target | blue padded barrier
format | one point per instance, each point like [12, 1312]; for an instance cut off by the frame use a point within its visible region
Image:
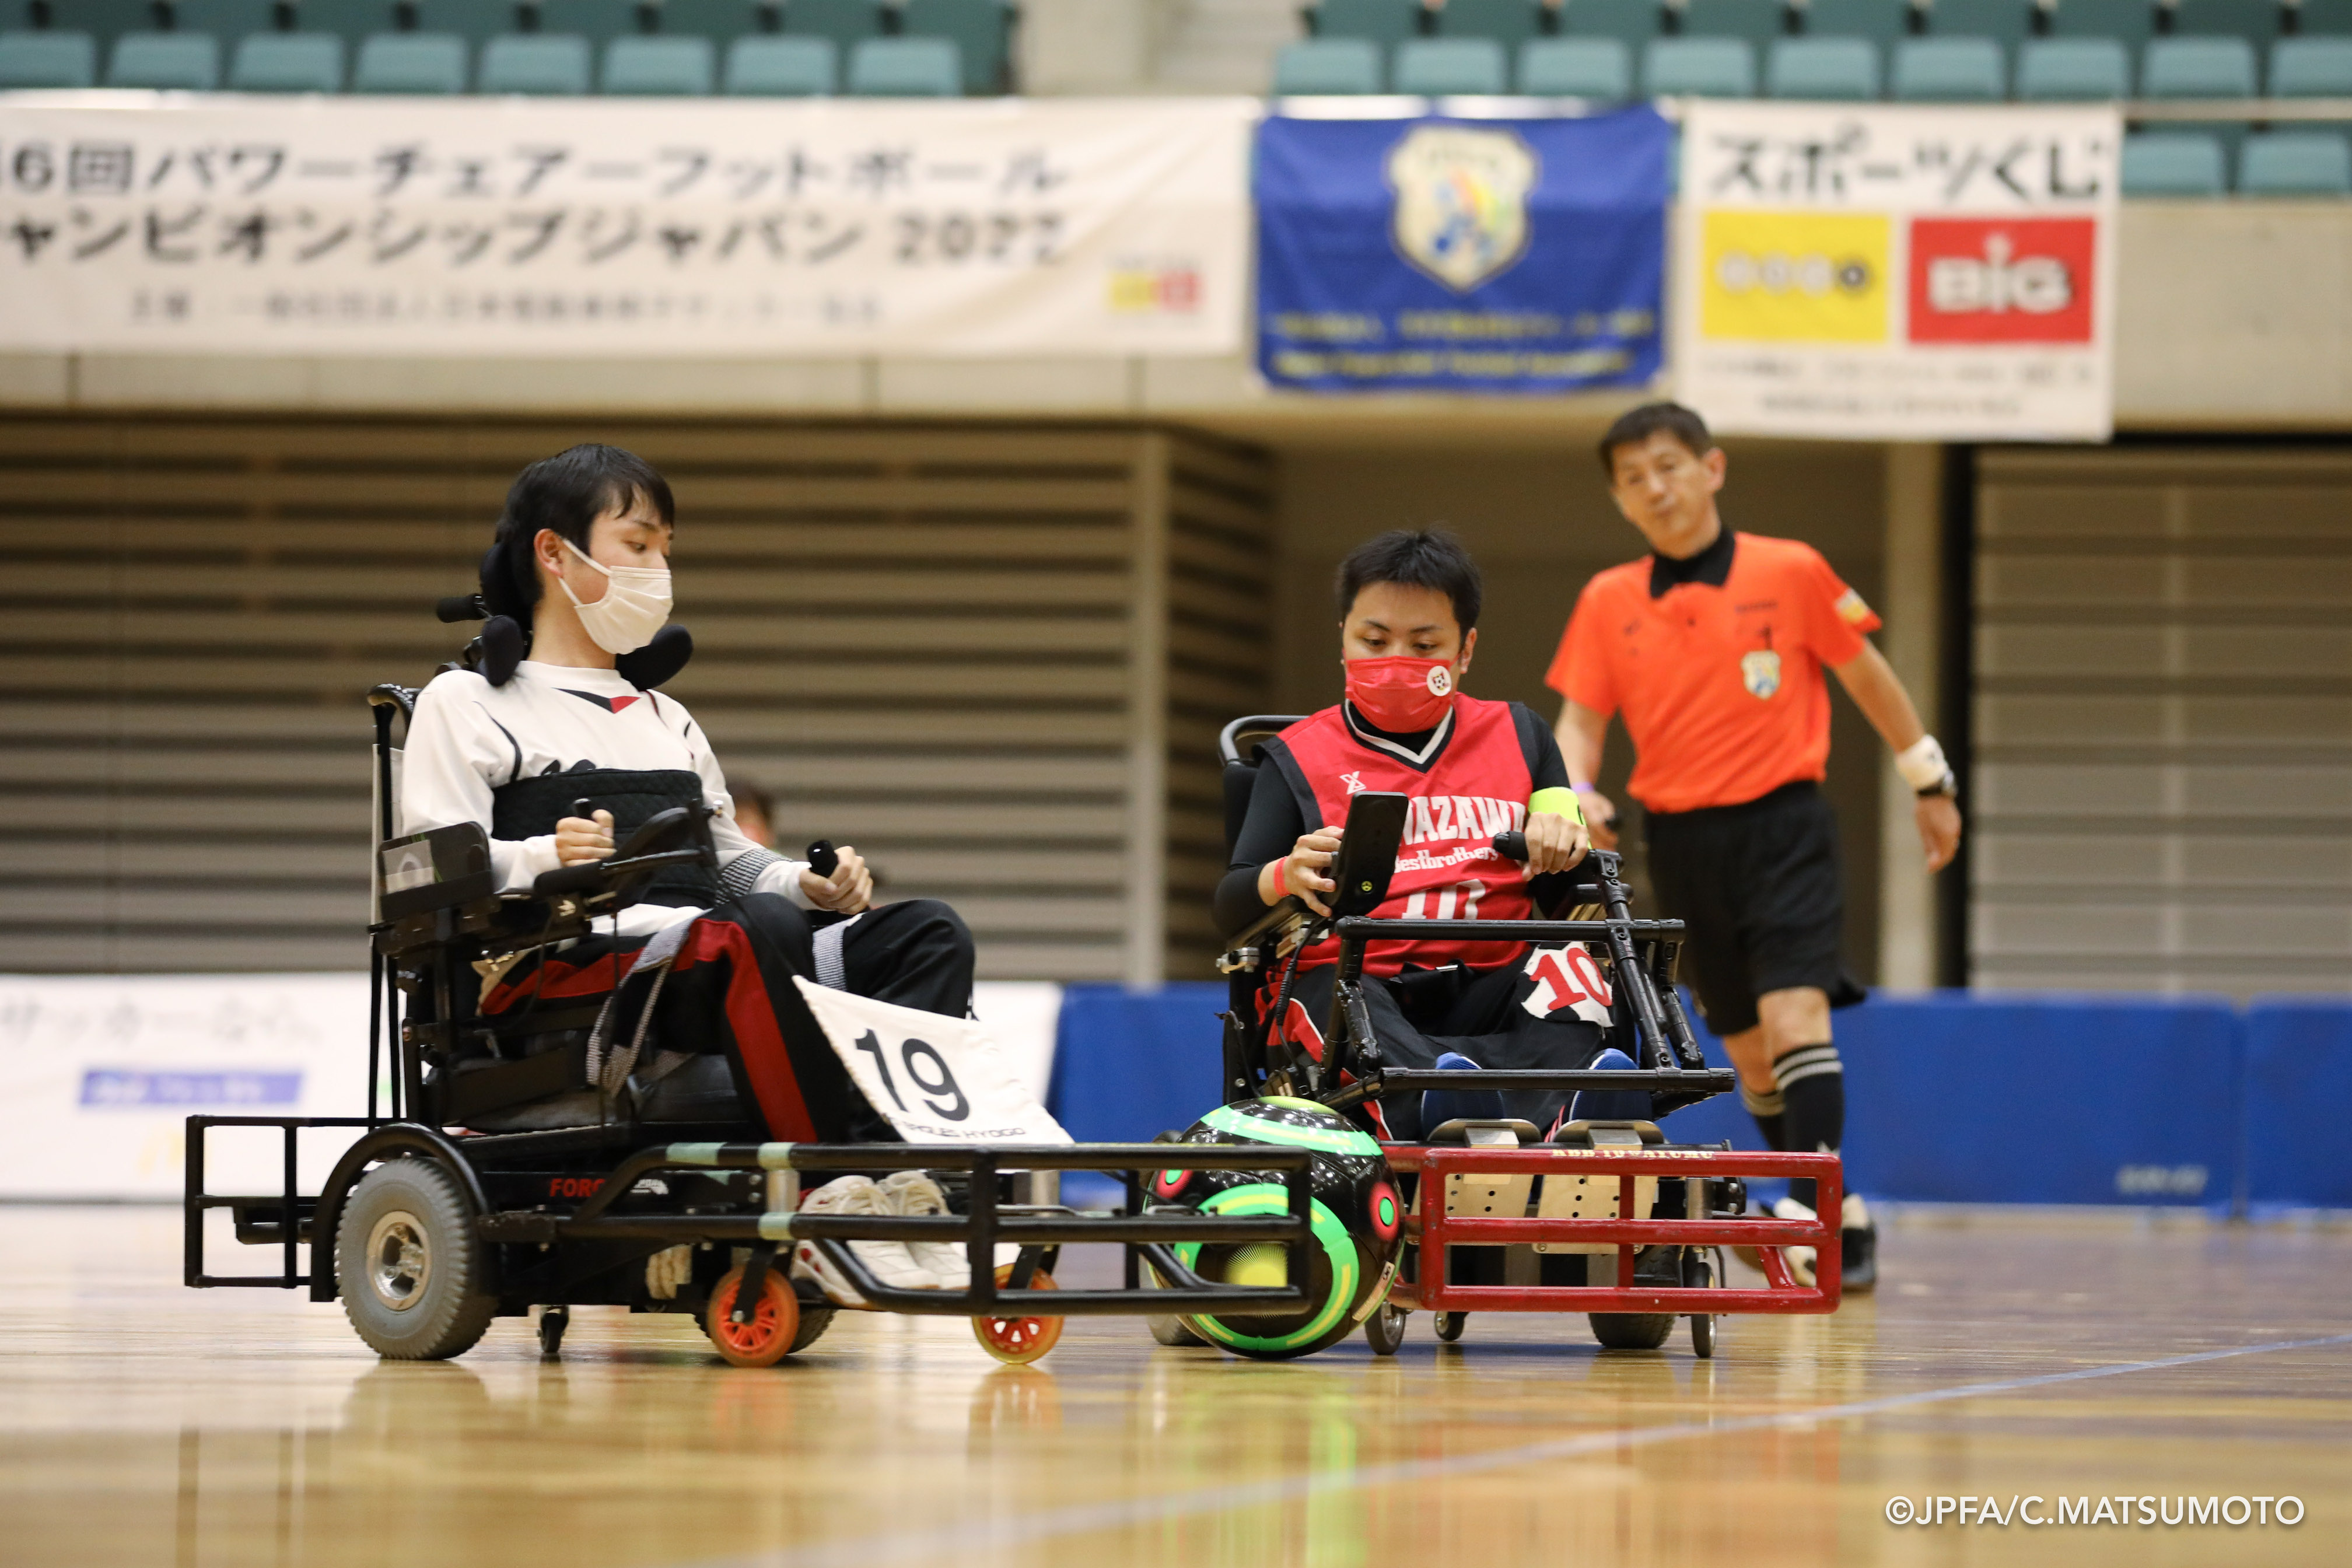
[1130, 1065]
[2298, 1093]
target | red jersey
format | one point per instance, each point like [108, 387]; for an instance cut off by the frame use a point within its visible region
[1475, 780]
[1721, 686]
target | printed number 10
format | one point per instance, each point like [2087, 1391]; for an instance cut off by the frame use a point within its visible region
[912, 1055]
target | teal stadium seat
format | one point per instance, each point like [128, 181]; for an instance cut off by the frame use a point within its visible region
[2295, 163]
[227, 20]
[287, 62]
[2311, 67]
[774, 64]
[1882, 22]
[846, 21]
[2073, 70]
[2198, 68]
[188, 62]
[2172, 164]
[721, 21]
[982, 31]
[422, 64]
[1510, 23]
[475, 21]
[534, 65]
[643, 65]
[1822, 71]
[1632, 22]
[1600, 70]
[2007, 23]
[1327, 67]
[2255, 21]
[1949, 70]
[2130, 23]
[905, 67]
[598, 21]
[1436, 68]
[103, 20]
[1379, 21]
[35, 59]
[2323, 19]
[1758, 21]
[1700, 68]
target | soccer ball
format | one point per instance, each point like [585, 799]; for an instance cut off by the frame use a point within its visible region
[1357, 1219]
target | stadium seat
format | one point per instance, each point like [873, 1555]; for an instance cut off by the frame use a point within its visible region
[846, 21]
[1601, 69]
[2311, 67]
[189, 61]
[2172, 164]
[1510, 23]
[1379, 21]
[103, 20]
[475, 21]
[426, 64]
[2295, 163]
[288, 62]
[1700, 68]
[230, 20]
[2255, 21]
[2198, 68]
[1880, 21]
[2323, 19]
[2073, 70]
[1327, 66]
[1758, 21]
[763, 64]
[1631, 22]
[1822, 71]
[539, 65]
[980, 30]
[1949, 70]
[721, 21]
[598, 21]
[1437, 66]
[30, 59]
[659, 66]
[2005, 22]
[2130, 23]
[906, 67]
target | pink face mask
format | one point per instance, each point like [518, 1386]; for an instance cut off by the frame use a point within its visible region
[1402, 696]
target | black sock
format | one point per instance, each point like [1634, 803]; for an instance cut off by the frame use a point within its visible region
[1812, 1085]
[1770, 1111]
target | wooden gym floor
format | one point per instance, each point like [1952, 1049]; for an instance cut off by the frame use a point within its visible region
[2006, 1356]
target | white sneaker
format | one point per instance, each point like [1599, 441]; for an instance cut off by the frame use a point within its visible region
[1800, 1258]
[888, 1261]
[916, 1196]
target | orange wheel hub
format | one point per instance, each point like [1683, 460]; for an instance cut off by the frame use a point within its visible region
[767, 1338]
[1019, 1340]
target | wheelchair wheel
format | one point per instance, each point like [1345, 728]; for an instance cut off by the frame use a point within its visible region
[408, 1264]
[1384, 1330]
[1631, 1330]
[814, 1321]
[1699, 1275]
[1019, 1340]
[1451, 1324]
[1168, 1331]
[773, 1331]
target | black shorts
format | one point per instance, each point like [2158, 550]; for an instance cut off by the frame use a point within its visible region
[1758, 885]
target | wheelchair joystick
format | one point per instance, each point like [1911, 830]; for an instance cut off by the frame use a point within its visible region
[1511, 845]
[824, 858]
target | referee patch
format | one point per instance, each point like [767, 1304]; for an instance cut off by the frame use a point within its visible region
[1850, 609]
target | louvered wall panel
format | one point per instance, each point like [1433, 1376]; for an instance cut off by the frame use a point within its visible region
[2163, 672]
[925, 640]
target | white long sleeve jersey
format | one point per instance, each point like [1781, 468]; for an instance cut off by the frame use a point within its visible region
[467, 737]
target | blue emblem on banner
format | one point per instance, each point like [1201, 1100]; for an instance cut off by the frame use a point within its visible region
[1501, 256]
[147, 1089]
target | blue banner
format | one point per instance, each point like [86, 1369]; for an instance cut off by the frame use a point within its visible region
[1462, 255]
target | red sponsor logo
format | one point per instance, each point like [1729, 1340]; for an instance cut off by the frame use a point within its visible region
[2002, 280]
[573, 1186]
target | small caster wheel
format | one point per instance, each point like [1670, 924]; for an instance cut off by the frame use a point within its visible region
[1703, 1336]
[1019, 1340]
[1384, 1330]
[774, 1326]
[1698, 1275]
[552, 1321]
[1450, 1325]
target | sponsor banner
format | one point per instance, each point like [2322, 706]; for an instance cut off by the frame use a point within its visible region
[99, 1074]
[1452, 255]
[1898, 273]
[171, 223]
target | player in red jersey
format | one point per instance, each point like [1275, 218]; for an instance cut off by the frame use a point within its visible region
[1409, 612]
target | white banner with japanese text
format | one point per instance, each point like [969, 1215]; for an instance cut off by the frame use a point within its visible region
[1898, 273]
[220, 223]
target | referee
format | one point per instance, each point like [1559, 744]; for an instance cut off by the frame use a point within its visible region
[1712, 648]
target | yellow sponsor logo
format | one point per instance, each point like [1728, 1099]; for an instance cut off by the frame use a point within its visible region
[1794, 277]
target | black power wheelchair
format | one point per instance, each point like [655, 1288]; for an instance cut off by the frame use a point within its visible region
[1497, 1218]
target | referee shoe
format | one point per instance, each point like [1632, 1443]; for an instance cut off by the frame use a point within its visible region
[1857, 1246]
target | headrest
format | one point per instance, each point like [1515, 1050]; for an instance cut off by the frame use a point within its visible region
[505, 600]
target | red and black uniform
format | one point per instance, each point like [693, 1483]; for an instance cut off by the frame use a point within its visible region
[1468, 779]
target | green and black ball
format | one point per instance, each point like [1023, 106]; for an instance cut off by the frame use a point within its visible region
[1357, 1219]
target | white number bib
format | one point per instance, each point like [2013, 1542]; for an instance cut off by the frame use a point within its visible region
[936, 1080]
[1567, 977]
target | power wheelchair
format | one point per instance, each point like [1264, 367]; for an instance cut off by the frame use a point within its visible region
[1499, 1219]
[524, 1162]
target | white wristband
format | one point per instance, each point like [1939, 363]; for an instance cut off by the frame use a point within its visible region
[1923, 766]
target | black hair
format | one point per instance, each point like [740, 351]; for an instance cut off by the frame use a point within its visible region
[1638, 425]
[1426, 558]
[567, 493]
[759, 800]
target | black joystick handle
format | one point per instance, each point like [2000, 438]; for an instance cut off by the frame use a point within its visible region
[824, 858]
[1511, 845]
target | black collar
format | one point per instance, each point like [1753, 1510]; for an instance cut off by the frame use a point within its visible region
[1711, 566]
[1418, 751]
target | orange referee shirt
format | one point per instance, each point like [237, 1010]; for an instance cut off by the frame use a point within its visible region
[1721, 687]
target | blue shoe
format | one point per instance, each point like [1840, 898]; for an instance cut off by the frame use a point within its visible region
[1610, 1104]
[1439, 1106]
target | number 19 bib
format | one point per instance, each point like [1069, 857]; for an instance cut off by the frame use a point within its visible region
[936, 1080]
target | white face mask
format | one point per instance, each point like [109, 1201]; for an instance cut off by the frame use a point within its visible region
[634, 605]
